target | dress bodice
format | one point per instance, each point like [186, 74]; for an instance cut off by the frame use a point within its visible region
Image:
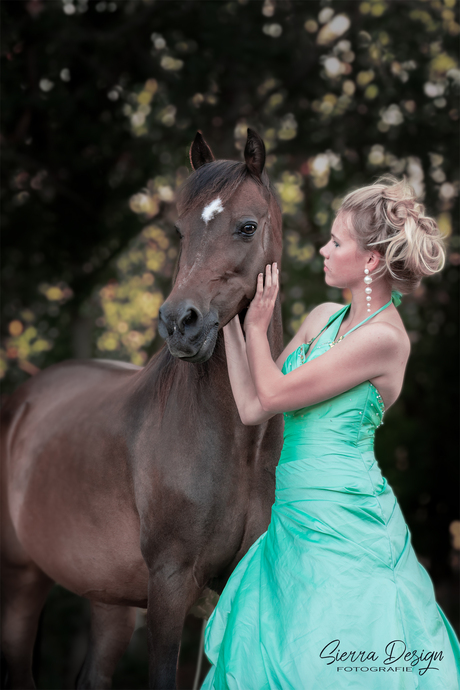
[352, 416]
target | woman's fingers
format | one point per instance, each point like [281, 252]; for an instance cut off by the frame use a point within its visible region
[268, 276]
[261, 307]
[275, 273]
[271, 279]
[267, 290]
[260, 284]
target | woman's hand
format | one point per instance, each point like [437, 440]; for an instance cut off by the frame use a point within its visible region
[261, 307]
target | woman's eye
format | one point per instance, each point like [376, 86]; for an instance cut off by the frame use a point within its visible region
[335, 243]
[249, 228]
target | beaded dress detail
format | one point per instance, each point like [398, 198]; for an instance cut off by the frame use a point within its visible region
[335, 575]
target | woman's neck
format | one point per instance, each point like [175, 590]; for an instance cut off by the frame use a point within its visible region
[380, 296]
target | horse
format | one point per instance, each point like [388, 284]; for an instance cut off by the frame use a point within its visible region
[140, 486]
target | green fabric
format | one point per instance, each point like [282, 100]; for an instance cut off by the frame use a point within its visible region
[397, 297]
[336, 563]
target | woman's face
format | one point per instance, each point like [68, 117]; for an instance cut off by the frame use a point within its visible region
[343, 260]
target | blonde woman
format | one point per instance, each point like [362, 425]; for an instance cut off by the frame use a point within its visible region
[332, 595]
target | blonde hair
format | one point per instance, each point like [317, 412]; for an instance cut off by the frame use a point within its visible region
[386, 215]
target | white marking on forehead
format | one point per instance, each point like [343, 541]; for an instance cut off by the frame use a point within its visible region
[212, 209]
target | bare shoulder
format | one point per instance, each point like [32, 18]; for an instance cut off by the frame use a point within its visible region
[391, 337]
[318, 318]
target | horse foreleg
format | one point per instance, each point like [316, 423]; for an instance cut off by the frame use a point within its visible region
[24, 591]
[111, 631]
[170, 597]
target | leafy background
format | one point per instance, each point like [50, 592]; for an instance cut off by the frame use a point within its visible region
[101, 101]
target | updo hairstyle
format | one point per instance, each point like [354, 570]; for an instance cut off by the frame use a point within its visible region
[387, 216]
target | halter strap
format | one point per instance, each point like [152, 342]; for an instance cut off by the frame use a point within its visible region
[395, 297]
[369, 317]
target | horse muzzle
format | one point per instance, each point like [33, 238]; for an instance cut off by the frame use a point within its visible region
[189, 335]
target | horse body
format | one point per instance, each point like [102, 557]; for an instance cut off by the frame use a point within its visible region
[94, 548]
[70, 495]
[140, 486]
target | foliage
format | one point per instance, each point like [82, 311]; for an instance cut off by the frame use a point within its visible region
[130, 305]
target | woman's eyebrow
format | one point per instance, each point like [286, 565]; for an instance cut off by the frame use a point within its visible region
[334, 236]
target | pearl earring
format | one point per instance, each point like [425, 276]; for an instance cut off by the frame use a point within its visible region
[368, 290]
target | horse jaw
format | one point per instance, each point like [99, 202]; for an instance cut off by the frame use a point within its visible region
[204, 352]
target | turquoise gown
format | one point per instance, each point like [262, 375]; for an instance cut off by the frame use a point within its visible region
[335, 575]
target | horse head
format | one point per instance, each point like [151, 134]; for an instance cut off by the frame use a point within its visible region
[229, 223]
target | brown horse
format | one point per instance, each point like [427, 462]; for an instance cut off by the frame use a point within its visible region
[140, 486]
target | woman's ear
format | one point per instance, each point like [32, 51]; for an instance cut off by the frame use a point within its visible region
[374, 260]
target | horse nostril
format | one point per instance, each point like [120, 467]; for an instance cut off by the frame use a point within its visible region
[165, 325]
[189, 319]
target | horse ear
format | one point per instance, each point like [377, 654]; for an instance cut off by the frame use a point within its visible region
[200, 153]
[254, 153]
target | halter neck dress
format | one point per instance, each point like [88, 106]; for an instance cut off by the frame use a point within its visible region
[331, 596]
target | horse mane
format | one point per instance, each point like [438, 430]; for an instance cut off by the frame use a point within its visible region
[218, 178]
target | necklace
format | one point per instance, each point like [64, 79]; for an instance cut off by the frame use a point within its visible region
[334, 342]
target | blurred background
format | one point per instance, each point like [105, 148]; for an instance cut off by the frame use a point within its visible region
[101, 101]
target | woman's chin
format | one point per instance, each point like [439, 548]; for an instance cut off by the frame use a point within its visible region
[331, 281]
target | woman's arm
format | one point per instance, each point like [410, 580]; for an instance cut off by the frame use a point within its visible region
[356, 359]
[244, 392]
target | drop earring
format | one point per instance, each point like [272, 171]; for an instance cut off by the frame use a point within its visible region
[368, 290]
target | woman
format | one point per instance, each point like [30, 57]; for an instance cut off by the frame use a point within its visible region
[332, 594]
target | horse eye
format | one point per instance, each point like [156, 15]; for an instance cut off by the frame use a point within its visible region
[178, 231]
[249, 228]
